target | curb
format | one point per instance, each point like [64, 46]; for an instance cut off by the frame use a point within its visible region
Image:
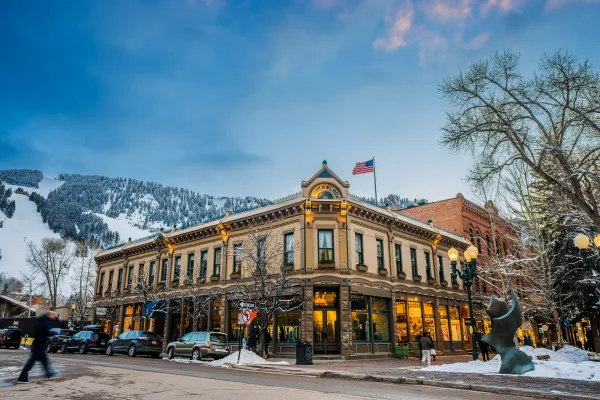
[425, 382]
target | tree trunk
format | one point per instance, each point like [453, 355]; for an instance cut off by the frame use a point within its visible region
[261, 348]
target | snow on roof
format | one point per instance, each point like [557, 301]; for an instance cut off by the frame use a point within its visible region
[16, 303]
[289, 201]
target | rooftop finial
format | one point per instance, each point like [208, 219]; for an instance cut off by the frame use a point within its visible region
[324, 162]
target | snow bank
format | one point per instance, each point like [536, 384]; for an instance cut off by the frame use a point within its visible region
[247, 358]
[567, 363]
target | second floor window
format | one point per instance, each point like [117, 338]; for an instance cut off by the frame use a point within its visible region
[217, 263]
[120, 280]
[288, 243]
[163, 270]
[237, 264]
[141, 277]
[358, 244]
[203, 263]
[111, 274]
[101, 287]
[130, 276]
[441, 268]
[413, 262]
[326, 255]
[190, 267]
[379, 246]
[177, 269]
[398, 250]
[428, 265]
[151, 274]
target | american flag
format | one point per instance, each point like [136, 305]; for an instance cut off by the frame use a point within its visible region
[364, 167]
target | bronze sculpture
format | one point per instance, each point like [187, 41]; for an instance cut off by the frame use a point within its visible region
[505, 323]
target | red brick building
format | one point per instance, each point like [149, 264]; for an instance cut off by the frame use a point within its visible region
[486, 230]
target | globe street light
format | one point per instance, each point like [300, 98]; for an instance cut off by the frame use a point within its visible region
[582, 242]
[468, 275]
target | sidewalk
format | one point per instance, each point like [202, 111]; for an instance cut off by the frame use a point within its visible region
[402, 371]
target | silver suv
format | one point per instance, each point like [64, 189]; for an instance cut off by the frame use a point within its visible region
[198, 345]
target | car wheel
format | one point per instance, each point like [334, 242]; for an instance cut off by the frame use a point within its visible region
[109, 350]
[83, 349]
[132, 351]
[48, 348]
[196, 355]
[63, 348]
[171, 353]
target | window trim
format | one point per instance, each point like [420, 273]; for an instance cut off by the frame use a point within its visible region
[360, 255]
[215, 263]
[287, 253]
[380, 258]
[332, 260]
[398, 258]
[414, 262]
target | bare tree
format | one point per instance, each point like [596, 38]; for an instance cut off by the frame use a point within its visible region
[199, 299]
[31, 283]
[111, 302]
[549, 123]
[82, 284]
[147, 293]
[52, 260]
[265, 277]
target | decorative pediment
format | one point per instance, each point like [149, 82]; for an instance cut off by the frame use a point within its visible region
[325, 184]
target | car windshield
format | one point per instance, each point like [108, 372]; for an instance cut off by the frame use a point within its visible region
[54, 331]
[218, 338]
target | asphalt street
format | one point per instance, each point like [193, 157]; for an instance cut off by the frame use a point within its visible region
[101, 377]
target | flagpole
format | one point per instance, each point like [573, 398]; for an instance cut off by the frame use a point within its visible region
[375, 181]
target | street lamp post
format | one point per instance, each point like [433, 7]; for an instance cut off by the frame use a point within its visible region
[468, 276]
[582, 242]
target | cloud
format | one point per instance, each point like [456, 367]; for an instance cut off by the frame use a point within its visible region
[555, 4]
[502, 5]
[399, 22]
[326, 4]
[430, 43]
[448, 10]
[477, 42]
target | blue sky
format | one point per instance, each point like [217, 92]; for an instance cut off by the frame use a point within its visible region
[248, 97]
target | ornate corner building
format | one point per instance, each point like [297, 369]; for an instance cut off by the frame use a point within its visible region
[369, 277]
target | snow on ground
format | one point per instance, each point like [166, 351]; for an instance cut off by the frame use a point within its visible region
[46, 185]
[567, 363]
[26, 225]
[124, 226]
[247, 358]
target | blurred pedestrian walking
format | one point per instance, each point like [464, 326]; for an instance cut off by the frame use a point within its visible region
[38, 348]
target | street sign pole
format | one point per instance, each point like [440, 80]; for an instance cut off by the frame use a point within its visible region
[241, 330]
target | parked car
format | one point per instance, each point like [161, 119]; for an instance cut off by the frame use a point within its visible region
[85, 341]
[11, 337]
[198, 345]
[57, 337]
[135, 343]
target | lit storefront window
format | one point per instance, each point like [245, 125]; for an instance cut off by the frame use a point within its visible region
[128, 321]
[415, 319]
[360, 318]
[234, 327]
[401, 326]
[216, 315]
[288, 326]
[326, 298]
[381, 320]
[429, 319]
[464, 311]
[444, 327]
[455, 324]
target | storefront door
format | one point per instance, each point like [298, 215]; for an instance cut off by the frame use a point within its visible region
[326, 331]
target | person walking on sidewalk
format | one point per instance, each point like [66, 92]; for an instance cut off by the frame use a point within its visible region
[268, 339]
[483, 347]
[252, 338]
[38, 348]
[426, 344]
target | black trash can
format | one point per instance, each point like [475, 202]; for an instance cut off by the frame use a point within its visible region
[304, 353]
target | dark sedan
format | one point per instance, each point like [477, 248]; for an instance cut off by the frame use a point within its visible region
[57, 338]
[135, 343]
[10, 337]
[85, 341]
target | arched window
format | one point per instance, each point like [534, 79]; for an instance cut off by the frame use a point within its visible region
[479, 242]
[471, 235]
[497, 248]
[488, 244]
[505, 249]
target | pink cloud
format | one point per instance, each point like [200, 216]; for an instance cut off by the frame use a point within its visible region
[448, 10]
[399, 22]
[502, 5]
[477, 42]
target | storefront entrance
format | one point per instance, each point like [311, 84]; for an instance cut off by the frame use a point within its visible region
[326, 337]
